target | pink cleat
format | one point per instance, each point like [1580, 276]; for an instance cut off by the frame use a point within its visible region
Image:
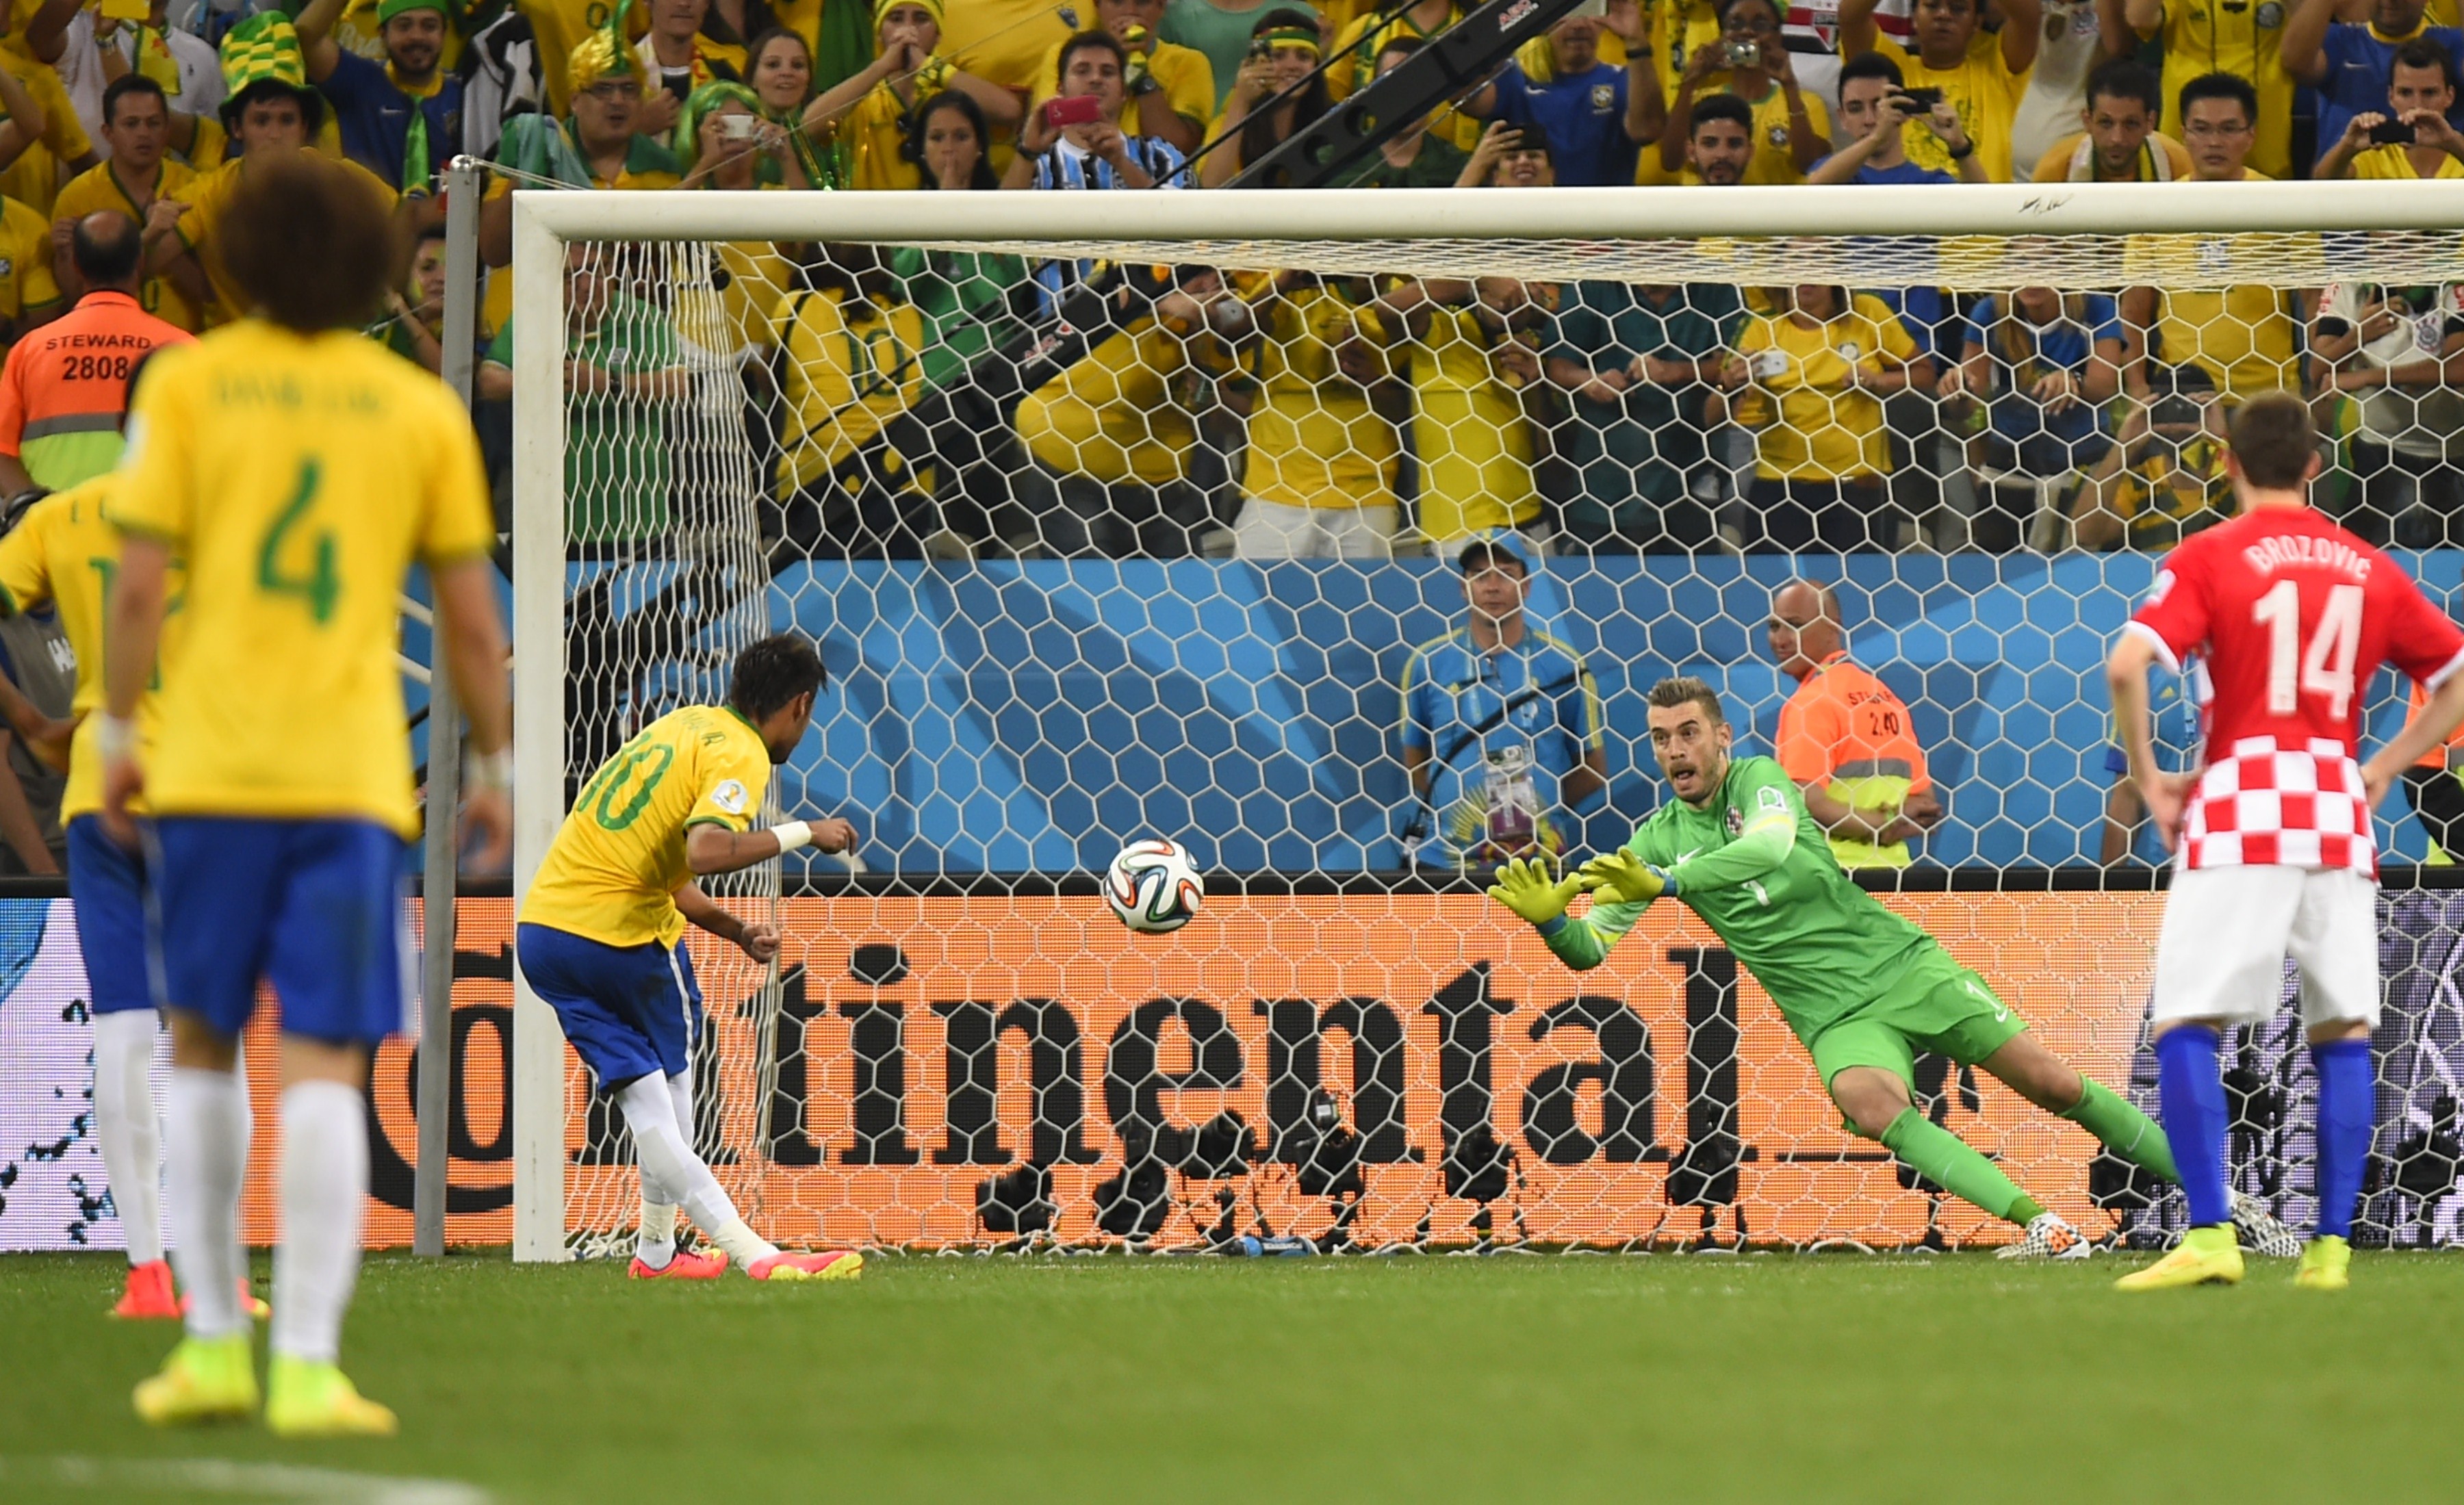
[148, 1296]
[837, 1264]
[682, 1266]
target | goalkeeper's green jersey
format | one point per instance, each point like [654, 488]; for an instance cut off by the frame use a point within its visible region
[1820, 945]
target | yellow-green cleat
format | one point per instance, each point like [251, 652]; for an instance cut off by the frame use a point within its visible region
[205, 1380]
[2327, 1264]
[303, 1399]
[2205, 1255]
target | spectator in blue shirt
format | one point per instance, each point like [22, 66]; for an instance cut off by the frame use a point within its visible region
[2350, 63]
[1874, 115]
[1500, 725]
[1594, 114]
[402, 118]
[2044, 365]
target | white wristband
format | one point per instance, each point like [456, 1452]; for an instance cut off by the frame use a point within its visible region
[491, 770]
[791, 835]
[115, 737]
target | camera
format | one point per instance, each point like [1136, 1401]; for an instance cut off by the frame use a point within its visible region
[737, 127]
[2391, 132]
[1741, 54]
[1922, 100]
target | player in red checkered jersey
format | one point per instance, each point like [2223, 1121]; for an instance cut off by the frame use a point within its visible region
[2293, 616]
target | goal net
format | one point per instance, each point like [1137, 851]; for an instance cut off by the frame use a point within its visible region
[1146, 515]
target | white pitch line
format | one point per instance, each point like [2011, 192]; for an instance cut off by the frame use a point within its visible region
[259, 1481]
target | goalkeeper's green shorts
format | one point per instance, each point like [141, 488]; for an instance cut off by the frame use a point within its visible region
[1939, 1006]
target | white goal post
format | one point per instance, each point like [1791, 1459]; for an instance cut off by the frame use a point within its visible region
[1983, 237]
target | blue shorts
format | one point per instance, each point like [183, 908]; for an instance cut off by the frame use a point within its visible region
[629, 1009]
[316, 907]
[107, 892]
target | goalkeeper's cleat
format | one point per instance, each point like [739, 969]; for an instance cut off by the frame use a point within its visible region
[2048, 1238]
[205, 1380]
[2206, 1254]
[305, 1399]
[2327, 1264]
[250, 1304]
[148, 1296]
[836, 1264]
[2262, 1231]
[682, 1266]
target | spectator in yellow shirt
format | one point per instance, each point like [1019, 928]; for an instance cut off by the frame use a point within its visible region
[2244, 37]
[1814, 375]
[869, 115]
[142, 180]
[1983, 74]
[1790, 130]
[2421, 90]
[2121, 143]
[1319, 481]
[1170, 88]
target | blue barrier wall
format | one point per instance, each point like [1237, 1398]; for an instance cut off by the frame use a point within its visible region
[1036, 715]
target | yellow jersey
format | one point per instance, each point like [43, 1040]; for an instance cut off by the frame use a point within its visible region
[1982, 89]
[1814, 426]
[208, 194]
[100, 188]
[2395, 162]
[1468, 431]
[1005, 40]
[2232, 37]
[300, 476]
[612, 873]
[36, 176]
[875, 133]
[64, 551]
[1115, 416]
[843, 381]
[1315, 439]
[26, 280]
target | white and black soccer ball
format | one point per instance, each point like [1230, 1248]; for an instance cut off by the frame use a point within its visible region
[1153, 886]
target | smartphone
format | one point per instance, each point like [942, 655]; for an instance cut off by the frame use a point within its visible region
[1083, 109]
[1743, 55]
[2391, 132]
[1922, 100]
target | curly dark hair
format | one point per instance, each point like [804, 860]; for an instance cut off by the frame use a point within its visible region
[309, 243]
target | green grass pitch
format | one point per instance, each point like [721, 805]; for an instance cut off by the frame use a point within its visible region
[1501, 1378]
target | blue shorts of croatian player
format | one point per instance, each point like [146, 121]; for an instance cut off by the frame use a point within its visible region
[629, 1009]
[107, 882]
[316, 907]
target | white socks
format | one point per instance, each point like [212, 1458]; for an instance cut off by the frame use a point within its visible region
[654, 1235]
[670, 1168]
[128, 1127]
[208, 1158]
[324, 1197]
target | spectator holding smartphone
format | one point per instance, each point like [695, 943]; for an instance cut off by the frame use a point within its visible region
[2411, 137]
[1790, 130]
[1283, 52]
[2350, 63]
[1168, 89]
[1509, 157]
[1074, 142]
[1877, 111]
[1982, 74]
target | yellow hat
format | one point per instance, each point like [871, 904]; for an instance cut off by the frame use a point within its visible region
[883, 8]
[604, 53]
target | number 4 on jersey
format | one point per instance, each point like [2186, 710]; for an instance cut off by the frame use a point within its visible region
[2326, 668]
[322, 586]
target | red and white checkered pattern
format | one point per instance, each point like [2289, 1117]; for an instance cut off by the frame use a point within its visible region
[2268, 804]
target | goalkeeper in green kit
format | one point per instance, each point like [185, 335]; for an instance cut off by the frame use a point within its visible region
[1863, 988]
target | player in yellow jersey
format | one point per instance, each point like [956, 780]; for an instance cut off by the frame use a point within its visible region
[599, 926]
[299, 470]
[63, 551]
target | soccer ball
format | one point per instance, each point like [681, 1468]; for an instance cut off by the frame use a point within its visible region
[1153, 886]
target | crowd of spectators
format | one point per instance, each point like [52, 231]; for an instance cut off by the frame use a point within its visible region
[939, 404]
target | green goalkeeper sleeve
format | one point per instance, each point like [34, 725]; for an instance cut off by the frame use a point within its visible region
[1577, 943]
[1759, 848]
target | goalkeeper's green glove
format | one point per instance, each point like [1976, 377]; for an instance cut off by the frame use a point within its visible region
[1620, 877]
[1523, 886]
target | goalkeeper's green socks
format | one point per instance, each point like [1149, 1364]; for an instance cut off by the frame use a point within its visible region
[1946, 1160]
[2122, 1129]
